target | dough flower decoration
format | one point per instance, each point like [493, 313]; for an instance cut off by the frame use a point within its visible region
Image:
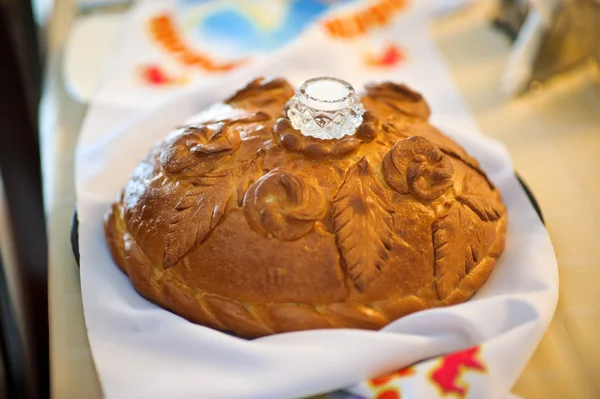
[284, 204]
[416, 166]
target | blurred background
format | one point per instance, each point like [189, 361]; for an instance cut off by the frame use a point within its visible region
[528, 70]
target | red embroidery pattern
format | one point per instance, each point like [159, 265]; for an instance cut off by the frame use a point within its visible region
[392, 393]
[163, 31]
[383, 387]
[154, 75]
[451, 367]
[391, 56]
[361, 22]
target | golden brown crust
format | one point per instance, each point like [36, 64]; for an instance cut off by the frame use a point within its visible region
[247, 226]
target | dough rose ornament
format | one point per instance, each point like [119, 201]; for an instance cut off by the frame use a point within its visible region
[319, 208]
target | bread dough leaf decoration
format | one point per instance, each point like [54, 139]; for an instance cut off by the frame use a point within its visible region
[284, 204]
[256, 87]
[201, 208]
[260, 93]
[399, 98]
[363, 224]
[449, 266]
[196, 157]
[469, 161]
[476, 195]
[196, 214]
[192, 156]
[417, 166]
[203, 148]
[460, 241]
[199, 149]
[220, 140]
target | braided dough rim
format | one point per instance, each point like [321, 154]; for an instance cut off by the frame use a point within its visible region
[256, 320]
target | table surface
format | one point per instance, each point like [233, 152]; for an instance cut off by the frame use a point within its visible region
[553, 135]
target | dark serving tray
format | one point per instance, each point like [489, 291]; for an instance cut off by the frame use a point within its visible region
[75, 221]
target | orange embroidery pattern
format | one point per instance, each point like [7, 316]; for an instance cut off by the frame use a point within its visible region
[162, 30]
[392, 55]
[447, 375]
[384, 390]
[361, 22]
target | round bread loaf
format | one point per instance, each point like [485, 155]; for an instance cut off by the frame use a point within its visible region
[241, 223]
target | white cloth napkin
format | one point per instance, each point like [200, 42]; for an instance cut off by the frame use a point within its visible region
[143, 351]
